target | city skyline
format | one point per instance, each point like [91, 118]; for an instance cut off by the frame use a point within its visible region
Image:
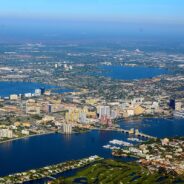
[85, 82]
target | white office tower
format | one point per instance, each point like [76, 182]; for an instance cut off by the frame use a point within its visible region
[38, 92]
[67, 128]
[104, 111]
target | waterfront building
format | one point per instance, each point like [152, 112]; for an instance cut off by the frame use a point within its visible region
[38, 92]
[179, 114]
[172, 103]
[47, 93]
[6, 133]
[67, 128]
[13, 97]
[42, 91]
[178, 106]
[27, 95]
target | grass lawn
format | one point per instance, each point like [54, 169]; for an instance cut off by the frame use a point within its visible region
[115, 172]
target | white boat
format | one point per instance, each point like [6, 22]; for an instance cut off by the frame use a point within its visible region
[121, 143]
[114, 147]
[107, 146]
[135, 140]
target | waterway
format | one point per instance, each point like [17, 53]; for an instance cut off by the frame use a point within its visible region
[131, 73]
[8, 88]
[39, 151]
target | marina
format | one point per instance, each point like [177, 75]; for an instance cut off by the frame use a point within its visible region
[135, 140]
[120, 143]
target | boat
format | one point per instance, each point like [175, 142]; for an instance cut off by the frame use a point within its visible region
[121, 143]
[107, 146]
[135, 140]
[114, 147]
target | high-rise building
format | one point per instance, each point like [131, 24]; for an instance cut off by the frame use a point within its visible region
[178, 106]
[172, 103]
[6, 133]
[103, 111]
[42, 90]
[67, 128]
[49, 108]
[38, 92]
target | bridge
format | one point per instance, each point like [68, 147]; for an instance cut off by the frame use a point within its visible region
[131, 131]
[137, 133]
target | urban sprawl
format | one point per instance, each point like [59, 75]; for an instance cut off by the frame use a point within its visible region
[93, 101]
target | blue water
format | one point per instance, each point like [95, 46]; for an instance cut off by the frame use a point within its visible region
[39, 151]
[131, 73]
[157, 127]
[8, 88]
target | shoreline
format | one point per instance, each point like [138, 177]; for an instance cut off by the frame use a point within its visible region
[52, 132]
[24, 137]
[50, 170]
[34, 135]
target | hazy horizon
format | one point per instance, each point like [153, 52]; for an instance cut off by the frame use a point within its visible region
[45, 19]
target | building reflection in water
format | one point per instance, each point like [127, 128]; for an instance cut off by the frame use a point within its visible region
[6, 145]
[67, 137]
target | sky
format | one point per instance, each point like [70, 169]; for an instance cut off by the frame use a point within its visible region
[159, 11]
[157, 17]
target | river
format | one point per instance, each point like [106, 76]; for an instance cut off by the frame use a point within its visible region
[34, 152]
